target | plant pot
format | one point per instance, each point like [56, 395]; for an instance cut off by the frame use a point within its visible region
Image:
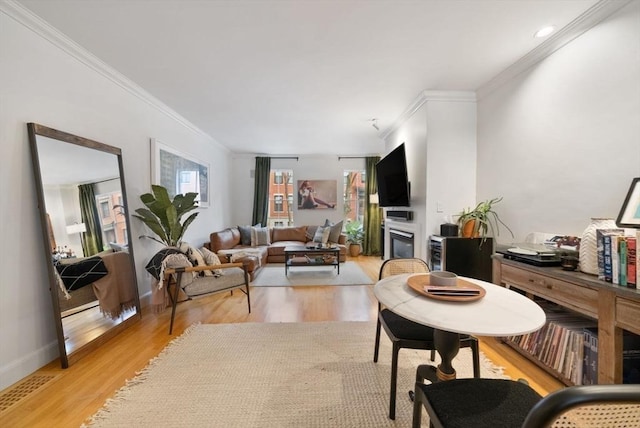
[469, 229]
[354, 250]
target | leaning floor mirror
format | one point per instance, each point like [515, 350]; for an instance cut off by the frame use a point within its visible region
[85, 233]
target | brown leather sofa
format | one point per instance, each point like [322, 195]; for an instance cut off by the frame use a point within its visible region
[281, 237]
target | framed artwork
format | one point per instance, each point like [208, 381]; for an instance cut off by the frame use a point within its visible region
[630, 212]
[178, 172]
[317, 194]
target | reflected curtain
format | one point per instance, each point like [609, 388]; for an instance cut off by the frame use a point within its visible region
[372, 215]
[261, 191]
[92, 238]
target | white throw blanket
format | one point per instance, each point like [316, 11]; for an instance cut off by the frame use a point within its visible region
[238, 253]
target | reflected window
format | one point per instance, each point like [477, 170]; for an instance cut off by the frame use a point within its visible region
[188, 181]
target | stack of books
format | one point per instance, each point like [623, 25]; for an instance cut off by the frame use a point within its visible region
[618, 257]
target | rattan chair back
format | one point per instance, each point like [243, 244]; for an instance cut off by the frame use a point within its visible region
[399, 266]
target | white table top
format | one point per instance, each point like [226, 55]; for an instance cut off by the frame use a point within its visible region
[501, 312]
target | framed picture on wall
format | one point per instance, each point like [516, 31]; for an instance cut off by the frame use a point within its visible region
[178, 172]
[630, 212]
[317, 194]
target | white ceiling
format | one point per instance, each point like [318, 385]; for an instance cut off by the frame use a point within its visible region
[304, 77]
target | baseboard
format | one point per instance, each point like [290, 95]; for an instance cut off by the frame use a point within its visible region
[27, 364]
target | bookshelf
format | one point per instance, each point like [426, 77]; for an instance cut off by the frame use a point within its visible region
[612, 308]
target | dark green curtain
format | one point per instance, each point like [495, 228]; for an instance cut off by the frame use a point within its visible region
[92, 238]
[261, 191]
[372, 215]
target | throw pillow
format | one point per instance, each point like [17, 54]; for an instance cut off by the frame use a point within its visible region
[194, 256]
[211, 259]
[322, 235]
[336, 230]
[154, 266]
[178, 260]
[260, 236]
[82, 273]
[311, 232]
[245, 234]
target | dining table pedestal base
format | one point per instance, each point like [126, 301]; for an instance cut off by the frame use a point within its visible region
[447, 344]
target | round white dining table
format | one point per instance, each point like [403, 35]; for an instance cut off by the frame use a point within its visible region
[500, 312]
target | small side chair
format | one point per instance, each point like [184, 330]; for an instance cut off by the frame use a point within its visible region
[229, 277]
[404, 333]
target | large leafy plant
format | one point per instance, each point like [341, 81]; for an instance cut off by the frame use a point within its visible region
[164, 216]
[354, 231]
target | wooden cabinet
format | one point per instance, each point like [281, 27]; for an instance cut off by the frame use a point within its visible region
[615, 307]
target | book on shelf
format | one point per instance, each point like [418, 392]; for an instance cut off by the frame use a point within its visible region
[600, 248]
[590, 366]
[615, 259]
[630, 357]
[622, 250]
[611, 256]
[632, 261]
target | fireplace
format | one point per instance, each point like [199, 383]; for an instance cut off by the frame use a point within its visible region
[401, 244]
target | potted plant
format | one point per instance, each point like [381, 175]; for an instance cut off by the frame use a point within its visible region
[164, 216]
[482, 221]
[355, 234]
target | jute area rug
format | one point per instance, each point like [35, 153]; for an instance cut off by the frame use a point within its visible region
[273, 375]
[273, 275]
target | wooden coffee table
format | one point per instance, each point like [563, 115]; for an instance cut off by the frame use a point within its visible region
[302, 256]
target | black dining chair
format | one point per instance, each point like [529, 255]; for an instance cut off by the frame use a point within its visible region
[496, 403]
[404, 333]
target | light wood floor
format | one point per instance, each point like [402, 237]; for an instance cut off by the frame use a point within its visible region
[78, 392]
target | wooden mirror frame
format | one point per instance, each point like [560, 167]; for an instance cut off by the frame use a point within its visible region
[35, 130]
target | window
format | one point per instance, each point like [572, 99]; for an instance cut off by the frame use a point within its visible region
[105, 212]
[113, 223]
[280, 208]
[354, 194]
[277, 203]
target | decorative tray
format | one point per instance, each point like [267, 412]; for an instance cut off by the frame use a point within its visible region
[463, 291]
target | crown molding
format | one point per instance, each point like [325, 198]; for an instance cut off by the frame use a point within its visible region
[33, 22]
[424, 97]
[587, 20]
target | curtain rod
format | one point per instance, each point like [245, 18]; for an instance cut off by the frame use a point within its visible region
[108, 179]
[280, 157]
[351, 157]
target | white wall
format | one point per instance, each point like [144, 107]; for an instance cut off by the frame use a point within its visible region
[561, 141]
[309, 167]
[440, 141]
[41, 83]
[413, 133]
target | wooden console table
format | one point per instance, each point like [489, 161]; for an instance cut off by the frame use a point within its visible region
[615, 308]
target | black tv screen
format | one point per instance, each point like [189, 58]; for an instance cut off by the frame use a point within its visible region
[393, 180]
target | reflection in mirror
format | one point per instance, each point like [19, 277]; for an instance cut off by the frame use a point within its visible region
[85, 229]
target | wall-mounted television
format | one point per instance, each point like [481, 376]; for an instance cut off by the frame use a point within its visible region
[393, 180]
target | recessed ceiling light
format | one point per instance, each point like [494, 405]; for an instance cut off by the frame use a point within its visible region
[544, 31]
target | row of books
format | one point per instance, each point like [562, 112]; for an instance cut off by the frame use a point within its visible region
[618, 257]
[568, 344]
[630, 357]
